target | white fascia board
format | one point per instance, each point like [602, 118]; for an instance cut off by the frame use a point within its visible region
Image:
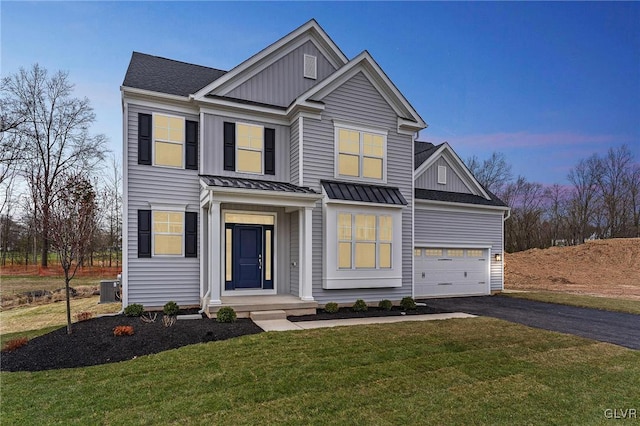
[449, 244]
[274, 52]
[466, 177]
[363, 204]
[164, 206]
[245, 112]
[364, 63]
[125, 203]
[408, 127]
[463, 207]
[259, 197]
[179, 105]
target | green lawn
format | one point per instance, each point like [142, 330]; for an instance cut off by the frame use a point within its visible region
[465, 371]
[604, 303]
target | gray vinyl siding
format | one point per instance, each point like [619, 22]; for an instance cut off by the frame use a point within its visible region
[213, 149]
[294, 253]
[429, 179]
[282, 233]
[358, 101]
[283, 81]
[154, 281]
[457, 227]
[294, 155]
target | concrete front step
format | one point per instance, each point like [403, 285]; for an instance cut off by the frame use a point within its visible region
[268, 315]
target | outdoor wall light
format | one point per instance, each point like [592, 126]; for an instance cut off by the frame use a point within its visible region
[498, 257]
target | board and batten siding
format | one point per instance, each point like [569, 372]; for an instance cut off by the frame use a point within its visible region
[358, 101]
[212, 149]
[429, 179]
[283, 81]
[446, 227]
[154, 281]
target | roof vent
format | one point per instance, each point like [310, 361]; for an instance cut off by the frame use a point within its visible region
[310, 67]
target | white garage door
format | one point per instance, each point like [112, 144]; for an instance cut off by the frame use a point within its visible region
[450, 272]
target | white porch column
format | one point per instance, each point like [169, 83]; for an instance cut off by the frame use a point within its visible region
[214, 260]
[306, 253]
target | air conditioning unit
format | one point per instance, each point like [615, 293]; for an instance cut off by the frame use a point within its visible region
[109, 291]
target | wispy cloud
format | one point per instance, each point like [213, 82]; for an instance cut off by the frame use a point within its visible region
[499, 141]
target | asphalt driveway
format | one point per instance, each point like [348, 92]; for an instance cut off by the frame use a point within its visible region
[613, 327]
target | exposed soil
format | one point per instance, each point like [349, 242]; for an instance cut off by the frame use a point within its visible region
[92, 342]
[608, 268]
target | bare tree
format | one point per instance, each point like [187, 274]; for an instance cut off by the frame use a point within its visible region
[73, 222]
[633, 191]
[583, 199]
[493, 173]
[556, 212]
[54, 126]
[614, 173]
[523, 229]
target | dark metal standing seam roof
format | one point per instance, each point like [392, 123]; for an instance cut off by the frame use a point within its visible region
[263, 185]
[363, 192]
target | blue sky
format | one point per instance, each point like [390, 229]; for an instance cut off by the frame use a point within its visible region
[545, 83]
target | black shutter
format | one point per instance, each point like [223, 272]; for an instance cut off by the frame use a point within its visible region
[269, 151]
[230, 146]
[191, 234]
[191, 148]
[144, 233]
[144, 138]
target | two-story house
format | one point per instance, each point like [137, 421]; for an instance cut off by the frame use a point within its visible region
[289, 182]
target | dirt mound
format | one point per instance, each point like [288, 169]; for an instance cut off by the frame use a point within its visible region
[602, 268]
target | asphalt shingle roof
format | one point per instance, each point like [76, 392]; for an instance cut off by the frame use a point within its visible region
[422, 151]
[363, 192]
[163, 75]
[458, 197]
[263, 185]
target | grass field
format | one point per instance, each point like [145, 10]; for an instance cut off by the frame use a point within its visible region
[14, 284]
[469, 371]
[596, 302]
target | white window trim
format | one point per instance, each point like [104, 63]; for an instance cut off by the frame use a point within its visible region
[361, 129]
[172, 208]
[336, 278]
[261, 173]
[153, 140]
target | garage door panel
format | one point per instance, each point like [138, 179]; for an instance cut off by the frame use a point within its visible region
[450, 271]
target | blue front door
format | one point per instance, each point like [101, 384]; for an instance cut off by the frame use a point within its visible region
[247, 255]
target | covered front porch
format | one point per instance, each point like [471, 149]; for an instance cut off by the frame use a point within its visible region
[256, 246]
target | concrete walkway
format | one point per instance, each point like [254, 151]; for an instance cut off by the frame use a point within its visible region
[286, 325]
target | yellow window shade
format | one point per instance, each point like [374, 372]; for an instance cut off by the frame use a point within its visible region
[365, 227]
[348, 165]
[267, 255]
[365, 256]
[349, 141]
[344, 226]
[228, 255]
[385, 255]
[344, 255]
[167, 244]
[372, 168]
[168, 154]
[386, 228]
[373, 145]
[251, 219]
[249, 161]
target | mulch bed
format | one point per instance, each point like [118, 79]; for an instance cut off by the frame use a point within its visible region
[93, 343]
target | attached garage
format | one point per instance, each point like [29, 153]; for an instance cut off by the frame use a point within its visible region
[451, 271]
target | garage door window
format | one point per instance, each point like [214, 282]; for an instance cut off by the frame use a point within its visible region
[433, 252]
[474, 253]
[417, 252]
[455, 253]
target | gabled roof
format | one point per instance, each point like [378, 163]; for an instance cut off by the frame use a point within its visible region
[163, 75]
[365, 63]
[263, 185]
[422, 151]
[252, 66]
[363, 192]
[458, 197]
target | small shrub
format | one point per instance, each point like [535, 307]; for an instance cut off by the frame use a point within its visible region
[134, 310]
[83, 316]
[360, 306]
[171, 308]
[408, 303]
[226, 314]
[123, 330]
[331, 307]
[385, 305]
[14, 344]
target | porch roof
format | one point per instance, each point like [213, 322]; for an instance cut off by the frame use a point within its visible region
[363, 192]
[243, 183]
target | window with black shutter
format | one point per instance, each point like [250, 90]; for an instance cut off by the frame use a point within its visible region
[191, 234]
[144, 233]
[191, 145]
[144, 138]
[230, 146]
[269, 151]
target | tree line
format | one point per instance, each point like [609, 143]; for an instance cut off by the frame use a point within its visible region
[602, 200]
[58, 181]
